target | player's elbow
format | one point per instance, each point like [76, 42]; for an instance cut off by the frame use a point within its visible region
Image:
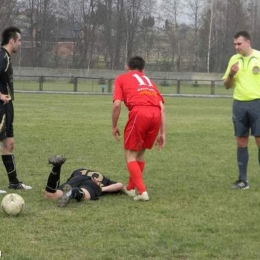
[116, 104]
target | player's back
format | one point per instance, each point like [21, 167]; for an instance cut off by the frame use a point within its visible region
[136, 89]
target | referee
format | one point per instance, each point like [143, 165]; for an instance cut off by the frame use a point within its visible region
[243, 74]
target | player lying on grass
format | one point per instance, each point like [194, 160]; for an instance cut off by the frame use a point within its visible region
[83, 184]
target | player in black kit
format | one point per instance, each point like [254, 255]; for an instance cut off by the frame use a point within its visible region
[11, 40]
[83, 184]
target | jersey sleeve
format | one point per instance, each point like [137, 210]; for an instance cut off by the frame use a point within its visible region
[2, 62]
[226, 72]
[118, 92]
[232, 61]
[106, 181]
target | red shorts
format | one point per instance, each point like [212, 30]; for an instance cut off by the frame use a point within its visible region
[142, 128]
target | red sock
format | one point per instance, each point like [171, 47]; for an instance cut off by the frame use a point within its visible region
[130, 185]
[136, 176]
[141, 165]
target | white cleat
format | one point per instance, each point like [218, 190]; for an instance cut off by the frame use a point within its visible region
[130, 193]
[143, 197]
[2, 191]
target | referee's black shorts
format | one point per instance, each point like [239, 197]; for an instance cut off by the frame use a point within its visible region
[246, 117]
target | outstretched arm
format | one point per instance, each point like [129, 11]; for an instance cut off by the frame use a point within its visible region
[113, 187]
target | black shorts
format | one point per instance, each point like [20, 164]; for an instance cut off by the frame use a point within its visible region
[246, 117]
[6, 120]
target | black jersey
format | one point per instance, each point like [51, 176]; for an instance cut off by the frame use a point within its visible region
[82, 178]
[87, 174]
[6, 74]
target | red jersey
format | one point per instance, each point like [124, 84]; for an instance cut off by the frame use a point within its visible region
[136, 89]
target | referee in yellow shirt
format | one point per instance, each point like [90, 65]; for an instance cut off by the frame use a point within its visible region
[243, 74]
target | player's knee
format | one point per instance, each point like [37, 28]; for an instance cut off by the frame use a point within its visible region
[52, 195]
[48, 196]
[78, 193]
[242, 141]
[8, 146]
[11, 147]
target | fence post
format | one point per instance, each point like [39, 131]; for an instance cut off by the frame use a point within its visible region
[109, 85]
[212, 87]
[178, 86]
[41, 79]
[75, 82]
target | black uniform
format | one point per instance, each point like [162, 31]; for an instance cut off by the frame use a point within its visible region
[6, 88]
[82, 178]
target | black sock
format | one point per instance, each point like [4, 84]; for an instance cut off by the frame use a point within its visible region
[242, 160]
[8, 160]
[54, 179]
[76, 193]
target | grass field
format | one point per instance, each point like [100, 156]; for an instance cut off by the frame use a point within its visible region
[192, 213]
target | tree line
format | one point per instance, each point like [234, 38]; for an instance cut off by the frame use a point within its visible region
[172, 35]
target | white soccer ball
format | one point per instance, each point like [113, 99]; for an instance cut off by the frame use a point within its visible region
[12, 204]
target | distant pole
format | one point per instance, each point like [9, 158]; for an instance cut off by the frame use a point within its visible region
[19, 64]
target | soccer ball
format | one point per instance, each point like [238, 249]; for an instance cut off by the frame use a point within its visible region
[12, 204]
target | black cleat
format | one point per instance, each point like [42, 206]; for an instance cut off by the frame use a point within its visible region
[19, 186]
[57, 160]
[64, 199]
[240, 185]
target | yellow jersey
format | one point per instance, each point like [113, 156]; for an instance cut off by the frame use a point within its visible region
[247, 79]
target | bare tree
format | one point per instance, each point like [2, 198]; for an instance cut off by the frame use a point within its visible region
[194, 12]
[7, 10]
[39, 19]
[147, 32]
[86, 18]
[173, 10]
[105, 33]
[253, 7]
[220, 20]
[211, 11]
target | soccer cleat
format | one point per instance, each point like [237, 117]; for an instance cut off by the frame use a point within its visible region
[242, 185]
[19, 186]
[57, 160]
[130, 193]
[64, 199]
[2, 191]
[143, 197]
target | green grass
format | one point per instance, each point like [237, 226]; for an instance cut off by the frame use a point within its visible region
[192, 214]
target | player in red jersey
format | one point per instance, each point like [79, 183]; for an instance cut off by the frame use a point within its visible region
[145, 125]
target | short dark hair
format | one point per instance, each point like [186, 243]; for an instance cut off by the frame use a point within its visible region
[136, 63]
[8, 34]
[243, 34]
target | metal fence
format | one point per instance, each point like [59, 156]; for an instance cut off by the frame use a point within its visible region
[94, 85]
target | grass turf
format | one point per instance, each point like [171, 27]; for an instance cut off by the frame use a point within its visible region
[192, 214]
